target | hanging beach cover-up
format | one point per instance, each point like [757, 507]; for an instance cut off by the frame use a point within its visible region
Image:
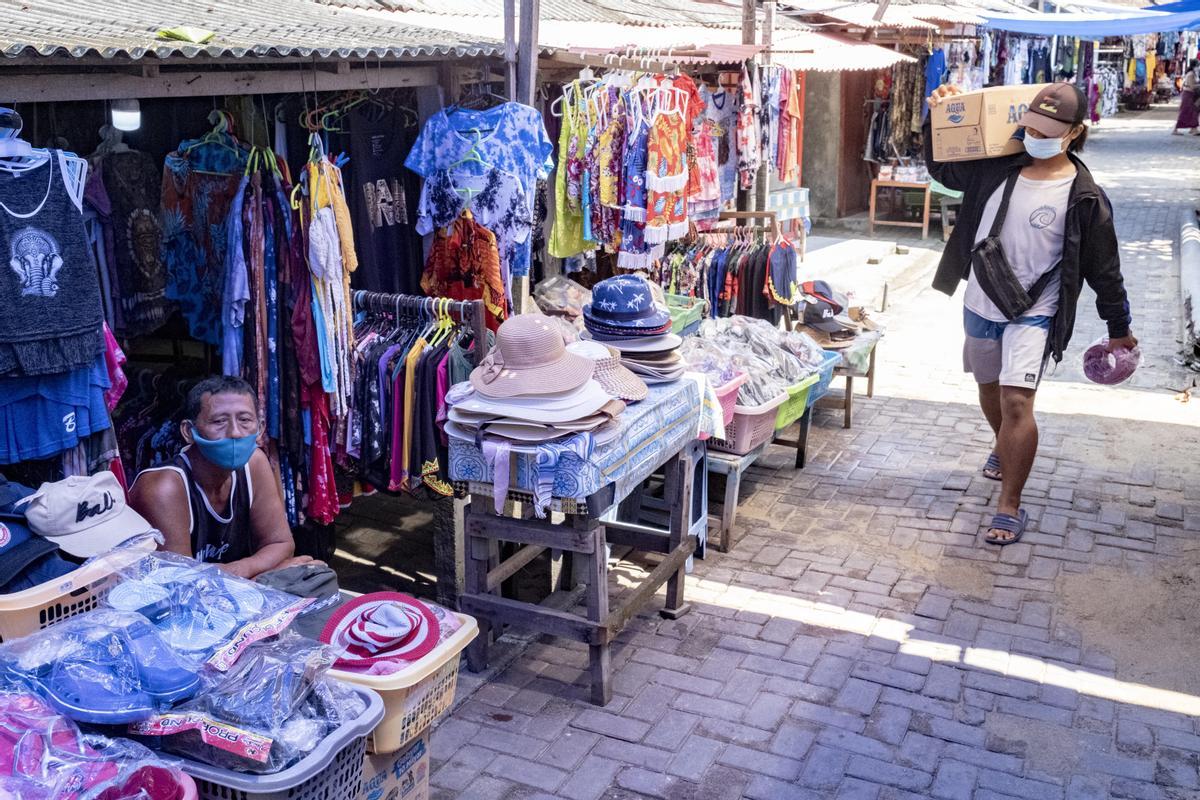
[666, 178]
[566, 236]
[749, 136]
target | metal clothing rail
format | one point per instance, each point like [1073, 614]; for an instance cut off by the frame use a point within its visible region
[468, 312]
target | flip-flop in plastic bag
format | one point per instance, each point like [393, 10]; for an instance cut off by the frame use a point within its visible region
[203, 613]
[43, 756]
[1109, 369]
[104, 667]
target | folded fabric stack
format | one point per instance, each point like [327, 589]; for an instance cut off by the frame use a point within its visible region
[530, 388]
[623, 315]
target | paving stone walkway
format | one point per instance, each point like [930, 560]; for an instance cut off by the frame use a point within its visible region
[862, 642]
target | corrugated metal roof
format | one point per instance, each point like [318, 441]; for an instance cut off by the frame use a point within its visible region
[655, 13]
[278, 28]
[943, 13]
[694, 54]
[862, 15]
[827, 52]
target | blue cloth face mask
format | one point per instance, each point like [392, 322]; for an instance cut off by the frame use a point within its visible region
[230, 453]
[1043, 148]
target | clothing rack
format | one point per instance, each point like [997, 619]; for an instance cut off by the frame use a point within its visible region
[469, 312]
[765, 216]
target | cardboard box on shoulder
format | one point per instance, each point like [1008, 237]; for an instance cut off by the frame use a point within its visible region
[403, 775]
[980, 124]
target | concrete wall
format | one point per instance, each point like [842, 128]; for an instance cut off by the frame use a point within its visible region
[822, 141]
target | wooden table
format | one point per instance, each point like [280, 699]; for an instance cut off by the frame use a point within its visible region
[923, 224]
[587, 536]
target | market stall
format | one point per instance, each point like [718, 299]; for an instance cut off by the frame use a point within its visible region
[282, 279]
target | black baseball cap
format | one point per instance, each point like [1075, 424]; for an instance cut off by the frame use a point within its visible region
[1055, 110]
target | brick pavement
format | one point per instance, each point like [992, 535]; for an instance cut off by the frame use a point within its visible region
[862, 642]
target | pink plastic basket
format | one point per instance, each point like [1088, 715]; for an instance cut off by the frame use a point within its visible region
[727, 397]
[751, 426]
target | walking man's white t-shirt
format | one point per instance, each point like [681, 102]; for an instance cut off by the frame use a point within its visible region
[1032, 237]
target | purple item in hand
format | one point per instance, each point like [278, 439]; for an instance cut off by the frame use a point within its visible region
[1101, 366]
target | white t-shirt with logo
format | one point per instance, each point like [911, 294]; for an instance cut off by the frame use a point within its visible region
[1032, 237]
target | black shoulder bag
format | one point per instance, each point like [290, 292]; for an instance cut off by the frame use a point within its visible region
[994, 273]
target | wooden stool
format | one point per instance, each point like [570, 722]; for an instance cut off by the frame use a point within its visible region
[731, 466]
[846, 401]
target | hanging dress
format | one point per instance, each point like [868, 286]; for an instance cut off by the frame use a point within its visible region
[566, 237]
[749, 135]
[666, 177]
[611, 146]
[198, 185]
[634, 252]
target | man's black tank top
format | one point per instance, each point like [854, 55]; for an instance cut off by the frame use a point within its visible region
[215, 538]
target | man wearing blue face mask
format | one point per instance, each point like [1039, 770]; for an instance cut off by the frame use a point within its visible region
[219, 501]
[1033, 227]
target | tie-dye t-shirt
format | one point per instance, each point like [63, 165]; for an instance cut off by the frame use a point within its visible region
[498, 201]
[510, 137]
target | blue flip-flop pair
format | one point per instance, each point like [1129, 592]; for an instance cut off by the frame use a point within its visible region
[124, 674]
[1007, 522]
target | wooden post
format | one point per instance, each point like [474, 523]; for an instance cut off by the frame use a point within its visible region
[527, 56]
[525, 92]
[749, 36]
[510, 48]
[763, 189]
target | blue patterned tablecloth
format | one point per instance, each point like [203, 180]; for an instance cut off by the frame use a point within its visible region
[651, 431]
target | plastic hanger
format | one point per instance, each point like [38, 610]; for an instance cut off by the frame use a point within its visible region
[16, 154]
[220, 136]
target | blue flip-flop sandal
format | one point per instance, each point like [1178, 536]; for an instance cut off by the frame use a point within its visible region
[993, 464]
[1007, 522]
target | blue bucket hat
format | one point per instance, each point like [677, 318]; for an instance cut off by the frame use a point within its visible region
[624, 303]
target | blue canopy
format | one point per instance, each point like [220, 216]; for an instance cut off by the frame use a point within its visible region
[1179, 5]
[1092, 25]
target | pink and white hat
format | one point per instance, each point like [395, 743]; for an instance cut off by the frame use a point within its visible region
[382, 626]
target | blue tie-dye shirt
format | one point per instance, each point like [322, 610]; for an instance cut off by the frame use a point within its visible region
[510, 137]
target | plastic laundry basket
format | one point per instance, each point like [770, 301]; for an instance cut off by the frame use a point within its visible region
[727, 394]
[794, 406]
[332, 771]
[751, 426]
[417, 696]
[77, 592]
[825, 371]
[686, 313]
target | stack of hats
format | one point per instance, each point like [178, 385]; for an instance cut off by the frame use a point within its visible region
[611, 374]
[530, 388]
[825, 316]
[623, 315]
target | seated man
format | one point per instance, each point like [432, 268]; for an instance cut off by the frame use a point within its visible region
[220, 500]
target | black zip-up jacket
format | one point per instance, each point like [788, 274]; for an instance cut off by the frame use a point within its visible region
[1090, 251]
